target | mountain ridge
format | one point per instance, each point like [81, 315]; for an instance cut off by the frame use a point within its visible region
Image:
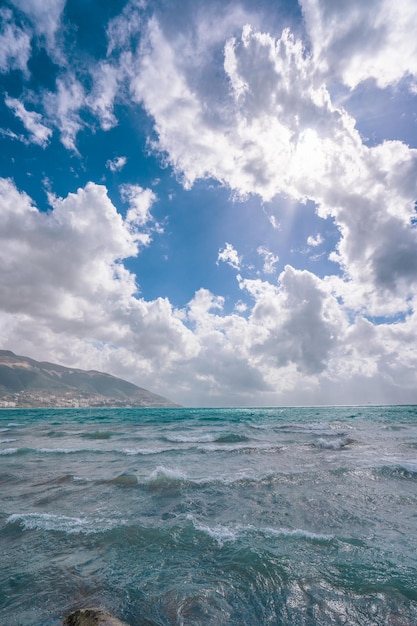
[25, 382]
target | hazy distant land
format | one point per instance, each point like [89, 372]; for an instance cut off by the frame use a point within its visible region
[25, 382]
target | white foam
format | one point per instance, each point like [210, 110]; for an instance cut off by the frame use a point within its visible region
[222, 533]
[7, 451]
[144, 451]
[63, 523]
[188, 439]
[336, 443]
[7, 440]
[240, 447]
[219, 533]
[161, 474]
[63, 450]
[298, 533]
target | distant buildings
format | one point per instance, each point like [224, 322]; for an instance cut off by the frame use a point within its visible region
[74, 399]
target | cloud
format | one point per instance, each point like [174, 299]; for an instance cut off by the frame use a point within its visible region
[39, 133]
[280, 134]
[88, 237]
[45, 17]
[62, 108]
[122, 30]
[63, 274]
[66, 295]
[254, 112]
[354, 43]
[315, 241]
[116, 164]
[270, 259]
[241, 307]
[263, 140]
[230, 256]
[14, 43]
[106, 82]
[274, 223]
[299, 322]
[138, 215]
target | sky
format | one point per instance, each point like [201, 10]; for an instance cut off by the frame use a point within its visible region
[214, 200]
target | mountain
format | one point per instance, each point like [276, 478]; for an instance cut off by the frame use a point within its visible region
[25, 382]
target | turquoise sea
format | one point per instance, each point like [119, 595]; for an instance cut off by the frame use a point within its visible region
[279, 517]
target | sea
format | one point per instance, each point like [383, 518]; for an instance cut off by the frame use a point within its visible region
[179, 516]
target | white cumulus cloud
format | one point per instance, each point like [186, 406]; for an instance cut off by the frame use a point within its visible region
[66, 295]
[355, 41]
[230, 256]
[63, 273]
[280, 133]
[260, 120]
[314, 241]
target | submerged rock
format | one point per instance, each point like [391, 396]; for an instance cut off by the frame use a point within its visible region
[91, 617]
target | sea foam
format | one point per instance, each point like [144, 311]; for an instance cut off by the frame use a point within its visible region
[62, 523]
[7, 451]
[222, 533]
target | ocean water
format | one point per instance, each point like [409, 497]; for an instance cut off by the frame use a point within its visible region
[280, 516]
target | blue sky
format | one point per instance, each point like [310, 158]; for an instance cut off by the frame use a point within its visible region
[213, 200]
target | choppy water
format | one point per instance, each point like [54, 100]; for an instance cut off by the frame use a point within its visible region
[199, 516]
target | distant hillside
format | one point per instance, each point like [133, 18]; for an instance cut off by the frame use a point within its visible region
[29, 383]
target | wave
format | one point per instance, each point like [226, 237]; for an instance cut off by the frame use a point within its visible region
[249, 449]
[58, 480]
[96, 451]
[231, 438]
[298, 533]
[332, 443]
[62, 523]
[65, 450]
[61, 451]
[204, 447]
[210, 438]
[124, 480]
[146, 451]
[20, 451]
[98, 434]
[407, 470]
[313, 428]
[163, 477]
[8, 451]
[57, 433]
[188, 439]
[222, 534]
[167, 478]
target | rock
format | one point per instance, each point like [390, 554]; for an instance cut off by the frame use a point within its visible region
[91, 617]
